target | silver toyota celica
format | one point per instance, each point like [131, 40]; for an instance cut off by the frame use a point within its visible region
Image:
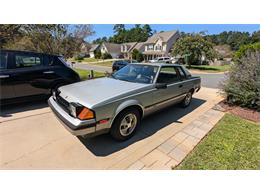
[116, 104]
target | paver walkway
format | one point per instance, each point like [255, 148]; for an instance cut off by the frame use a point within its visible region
[173, 150]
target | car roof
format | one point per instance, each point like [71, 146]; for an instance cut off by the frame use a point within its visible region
[158, 64]
[24, 51]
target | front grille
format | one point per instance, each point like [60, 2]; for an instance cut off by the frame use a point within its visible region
[63, 103]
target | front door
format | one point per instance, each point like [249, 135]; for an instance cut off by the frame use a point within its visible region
[173, 92]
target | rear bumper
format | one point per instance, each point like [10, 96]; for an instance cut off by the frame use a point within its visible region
[74, 126]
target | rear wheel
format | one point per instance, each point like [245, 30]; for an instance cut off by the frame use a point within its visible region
[125, 124]
[187, 100]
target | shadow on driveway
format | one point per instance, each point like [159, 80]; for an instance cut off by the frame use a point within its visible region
[10, 110]
[104, 145]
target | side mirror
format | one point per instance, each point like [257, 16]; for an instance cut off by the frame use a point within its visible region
[160, 85]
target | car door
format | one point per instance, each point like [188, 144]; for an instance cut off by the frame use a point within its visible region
[186, 86]
[172, 92]
[29, 72]
[6, 89]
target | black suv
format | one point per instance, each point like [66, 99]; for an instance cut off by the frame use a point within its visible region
[118, 64]
[26, 75]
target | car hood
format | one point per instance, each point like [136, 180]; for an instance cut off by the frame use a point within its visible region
[92, 92]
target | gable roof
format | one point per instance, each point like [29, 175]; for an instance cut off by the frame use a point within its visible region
[94, 47]
[164, 36]
[113, 47]
[139, 46]
[130, 45]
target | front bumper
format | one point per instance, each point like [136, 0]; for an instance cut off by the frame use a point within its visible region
[73, 125]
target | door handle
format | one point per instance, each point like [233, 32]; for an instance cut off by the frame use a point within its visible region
[180, 86]
[4, 76]
[48, 72]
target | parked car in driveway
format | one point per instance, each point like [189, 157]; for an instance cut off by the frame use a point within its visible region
[118, 64]
[117, 104]
[28, 75]
[166, 60]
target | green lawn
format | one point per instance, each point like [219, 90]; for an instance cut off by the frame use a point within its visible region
[90, 60]
[105, 63]
[234, 143]
[208, 68]
[84, 74]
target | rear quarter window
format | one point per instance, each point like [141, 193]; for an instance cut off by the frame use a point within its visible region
[188, 74]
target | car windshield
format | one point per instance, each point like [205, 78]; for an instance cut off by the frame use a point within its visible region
[137, 73]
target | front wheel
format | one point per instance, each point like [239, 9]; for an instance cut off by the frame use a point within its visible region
[125, 124]
[187, 100]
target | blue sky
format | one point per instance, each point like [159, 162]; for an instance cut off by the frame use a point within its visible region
[107, 29]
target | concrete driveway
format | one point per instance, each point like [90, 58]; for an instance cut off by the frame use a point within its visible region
[32, 138]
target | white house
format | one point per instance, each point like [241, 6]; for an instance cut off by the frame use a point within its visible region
[93, 49]
[160, 44]
[113, 49]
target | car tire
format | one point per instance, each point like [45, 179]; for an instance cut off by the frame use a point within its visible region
[125, 124]
[187, 100]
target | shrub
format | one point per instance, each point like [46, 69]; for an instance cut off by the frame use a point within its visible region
[138, 56]
[106, 56]
[242, 86]
[79, 57]
[97, 54]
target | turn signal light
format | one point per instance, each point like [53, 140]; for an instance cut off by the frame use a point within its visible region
[86, 114]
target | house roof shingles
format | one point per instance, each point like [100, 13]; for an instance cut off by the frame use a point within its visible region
[113, 47]
[164, 36]
[94, 47]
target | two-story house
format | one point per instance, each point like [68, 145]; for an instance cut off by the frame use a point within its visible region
[160, 44]
[126, 49]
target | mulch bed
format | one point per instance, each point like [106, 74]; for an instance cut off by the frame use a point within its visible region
[249, 114]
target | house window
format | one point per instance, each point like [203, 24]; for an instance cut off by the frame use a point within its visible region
[150, 47]
[158, 47]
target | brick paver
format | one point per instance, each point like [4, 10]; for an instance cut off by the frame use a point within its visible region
[172, 151]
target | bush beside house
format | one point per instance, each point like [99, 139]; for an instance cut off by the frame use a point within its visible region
[106, 56]
[138, 56]
[97, 54]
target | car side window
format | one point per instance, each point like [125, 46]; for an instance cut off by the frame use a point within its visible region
[23, 60]
[3, 61]
[168, 75]
[181, 73]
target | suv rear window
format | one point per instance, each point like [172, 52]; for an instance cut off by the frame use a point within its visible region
[27, 60]
[3, 60]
